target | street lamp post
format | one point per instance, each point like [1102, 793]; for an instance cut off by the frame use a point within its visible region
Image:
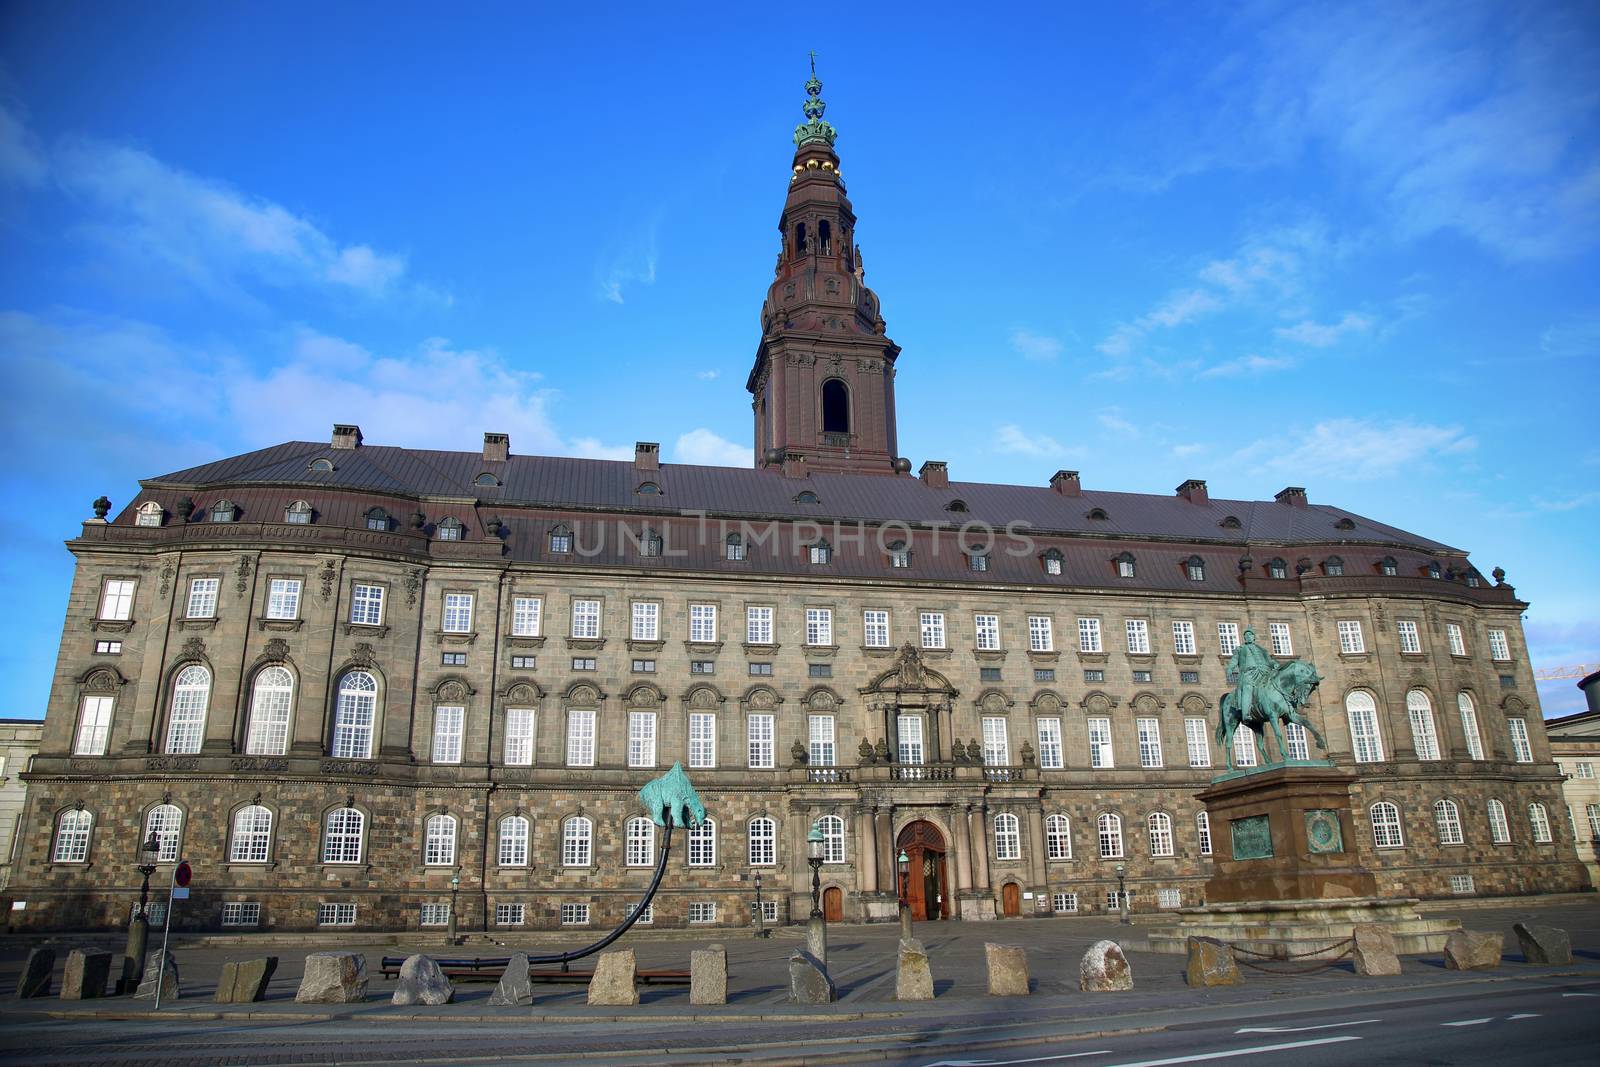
[1122, 892]
[903, 866]
[814, 845]
[455, 888]
[761, 917]
[139, 925]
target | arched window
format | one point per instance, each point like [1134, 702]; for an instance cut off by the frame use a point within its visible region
[1499, 827]
[1125, 565]
[1097, 514]
[648, 489]
[1333, 566]
[561, 539]
[806, 497]
[641, 842]
[1434, 571]
[1160, 834]
[1448, 819]
[800, 247]
[344, 836]
[1424, 739]
[1540, 821]
[1469, 724]
[224, 511]
[957, 505]
[1277, 568]
[320, 465]
[513, 841]
[1195, 568]
[1202, 829]
[378, 519]
[355, 715]
[899, 555]
[439, 841]
[1388, 565]
[1007, 837]
[252, 835]
[150, 514]
[763, 841]
[824, 238]
[832, 827]
[835, 406]
[486, 480]
[270, 701]
[1110, 827]
[191, 694]
[72, 837]
[1386, 825]
[298, 513]
[577, 842]
[1230, 522]
[448, 530]
[1058, 837]
[703, 844]
[735, 547]
[1365, 740]
[166, 822]
[1051, 560]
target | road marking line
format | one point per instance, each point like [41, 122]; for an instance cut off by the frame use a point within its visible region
[1301, 1029]
[1229, 1053]
[1007, 1063]
[1468, 1022]
[1524, 1015]
[1581, 994]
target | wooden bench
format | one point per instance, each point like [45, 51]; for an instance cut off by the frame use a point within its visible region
[493, 968]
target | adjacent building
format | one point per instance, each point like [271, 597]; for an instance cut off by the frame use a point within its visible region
[1575, 744]
[19, 743]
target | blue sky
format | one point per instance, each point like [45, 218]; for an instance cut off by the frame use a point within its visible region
[1350, 247]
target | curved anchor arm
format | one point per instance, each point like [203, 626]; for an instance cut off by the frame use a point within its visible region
[565, 958]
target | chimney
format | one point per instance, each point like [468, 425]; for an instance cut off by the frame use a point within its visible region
[346, 436]
[1294, 496]
[935, 474]
[647, 456]
[1194, 491]
[496, 447]
[1591, 691]
[1066, 483]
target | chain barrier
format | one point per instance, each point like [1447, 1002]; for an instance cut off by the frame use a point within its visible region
[1345, 947]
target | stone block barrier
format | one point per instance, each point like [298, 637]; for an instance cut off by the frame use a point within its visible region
[36, 971]
[913, 977]
[1211, 963]
[245, 981]
[1543, 945]
[614, 979]
[1372, 950]
[1008, 969]
[708, 975]
[808, 980]
[422, 981]
[86, 974]
[333, 978]
[1104, 969]
[515, 988]
[154, 974]
[1473, 950]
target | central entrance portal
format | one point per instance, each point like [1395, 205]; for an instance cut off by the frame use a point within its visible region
[927, 891]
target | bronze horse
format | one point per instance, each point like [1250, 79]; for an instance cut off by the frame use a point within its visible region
[1277, 699]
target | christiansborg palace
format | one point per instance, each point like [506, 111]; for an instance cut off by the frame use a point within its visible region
[360, 684]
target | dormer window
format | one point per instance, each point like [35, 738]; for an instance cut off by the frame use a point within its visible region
[1124, 564]
[1097, 514]
[150, 514]
[1433, 570]
[224, 511]
[1277, 568]
[298, 513]
[1389, 566]
[806, 497]
[648, 489]
[486, 481]
[448, 530]
[1195, 568]
[978, 561]
[899, 555]
[561, 539]
[735, 547]
[821, 553]
[320, 465]
[1345, 523]
[378, 519]
[1333, 567]
[650, 543]
[1473, 581]
[1230, 523]
[956, 505]
[1051, 560]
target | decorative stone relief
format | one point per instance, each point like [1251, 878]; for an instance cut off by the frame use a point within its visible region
[583, 695]
[328, 575]
[242, 574]
[703, 698]
[194, 648]
[167, 572]
[413, 582]
[362, 655]
[101, 682]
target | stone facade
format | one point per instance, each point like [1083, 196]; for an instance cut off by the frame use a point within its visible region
[1575, 744]
[19, 742]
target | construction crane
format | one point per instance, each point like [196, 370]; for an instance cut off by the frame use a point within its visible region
[1571, 670]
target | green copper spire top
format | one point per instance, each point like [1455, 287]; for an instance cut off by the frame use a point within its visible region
[814, 128]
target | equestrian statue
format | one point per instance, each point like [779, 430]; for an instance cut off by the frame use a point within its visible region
[1266, 693]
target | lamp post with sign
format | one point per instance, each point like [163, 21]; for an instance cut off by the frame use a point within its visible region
[1122, 892]
[903, 866]
[139, 925]
[178, 890]
[761, 914]
[455, 888]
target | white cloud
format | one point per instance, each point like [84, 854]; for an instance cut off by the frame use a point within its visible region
[1012, 438]
[635, 265]
[1571, 503]
[1251, 364]
[1185, 451]
[708, 375]
[704, 447]
[1112, 420]
[1319, 335]
[22, 161]
[1037, 347]
[1356, 449]
[592, 448]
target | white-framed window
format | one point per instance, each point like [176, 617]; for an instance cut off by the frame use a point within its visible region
[447, 725]
[1410, 639]
[1351, 640]
[1065, 903]
[1007, 837]
[996, 743]
[1089, 635]
[899, 555]
[1227, 637]
[832, 827]
[527, 616]
[580, 737]
[1592, 813]
[641, 739]
[577, 842]
[1196, 736]
[758, 626]
[457, 613]
[1125, 566]
[646, 621]
[1041, 634]
[1386, 826]
[977, 560]
[1499, 827]
[1169, 898]
[72, 837]
[1109, 827]
[987, 628]
[1469, 724]
[434, 913]
[1296, 741]
[270, 701]
[1424, 739]
[513, 839]
[760, 733]
[1149, 742]
[1183, 638]
[1278, 635]
[647, 916]
[1447, 817]
[519, 737]
[283, 598]
[702, 623]
[116, 600]
[908, 729]
[733, 548]
[1458, 643]
[820, 553]
[1498, 648]
[640, 842]
[191, 696]
[354, 715]
[299, 513]
[439, 841]
[769, 911]
[1202, 829]
[763, 841]
[932, 623]
[344, 836]
[94, 726]
[702, 739]
[166, 822]
[510, 914]
[366, 605]
[701, 912]
[586, 619]
[819, 626]
[819, 730]
[875, 628]
[1050, 750]
[336, 914]
[241, 913]
[1057, 837]
[1100, 744]
[252, 835]
[202, 598]
[574, 915]
[1138, 637]
[149, 514]
[1539, 819]
[1461, 884]
[703, 844]
[1160, 826]
[1365, 740]
[1521, 750]
[1583, 769]
[1244, 747]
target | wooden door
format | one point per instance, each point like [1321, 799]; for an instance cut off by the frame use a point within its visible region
[1011, 899]
[833, 904]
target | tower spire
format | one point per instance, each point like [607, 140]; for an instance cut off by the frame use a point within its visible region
[814, 128]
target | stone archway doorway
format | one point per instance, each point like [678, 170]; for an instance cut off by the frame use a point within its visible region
[833, 904]
[927, 886]
[1011, 900]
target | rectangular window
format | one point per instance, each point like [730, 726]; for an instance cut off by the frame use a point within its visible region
[1189, 677]
[819, 670]
[1521, 750]
[702, 740]
[1458, 644]
[1498, 649]
[1169, 898]
[1202, 828]
[283, 598]
[94, 726]
[996, 743]
[241, 913]
[1196, 733]
[933, 629]
[648, 916]
[761, 737]
[527, 616]
[702, 623]
[644, 666]
[1183, 639]
[1041, 634]
[769, 911]
[366, 605]
[447, 724]
[1044, 674]
[1461, 884]
[116, 600]
[1227, 637]
[875, 629]
[435, 915]
[524, 663]
[1350, 639]
[453, 659]
[1410, 640]
[336, 914]
[108, 648]
[761, 670]
[1244, 748]
[1149, 743]
[1100, 744]
[574, 915]
[580, 738]
[909, 729]
[1094, 675]
[586, 619]
[702, 666]
[989, 674]
[758, 626]
[510, 914]
[1142, 676]
[819, 626]
[457, 613]
[583, 663]
[1089, 635]
[702, 912]
[1584, 770]
[646, 621]
[1278, 634]
[1294, 737]
[519, 737]
[987, 628]
[1050, 752]
[203, 598]
[641, 739]
[1064, 903]
[820, 732]
[1138, 637]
